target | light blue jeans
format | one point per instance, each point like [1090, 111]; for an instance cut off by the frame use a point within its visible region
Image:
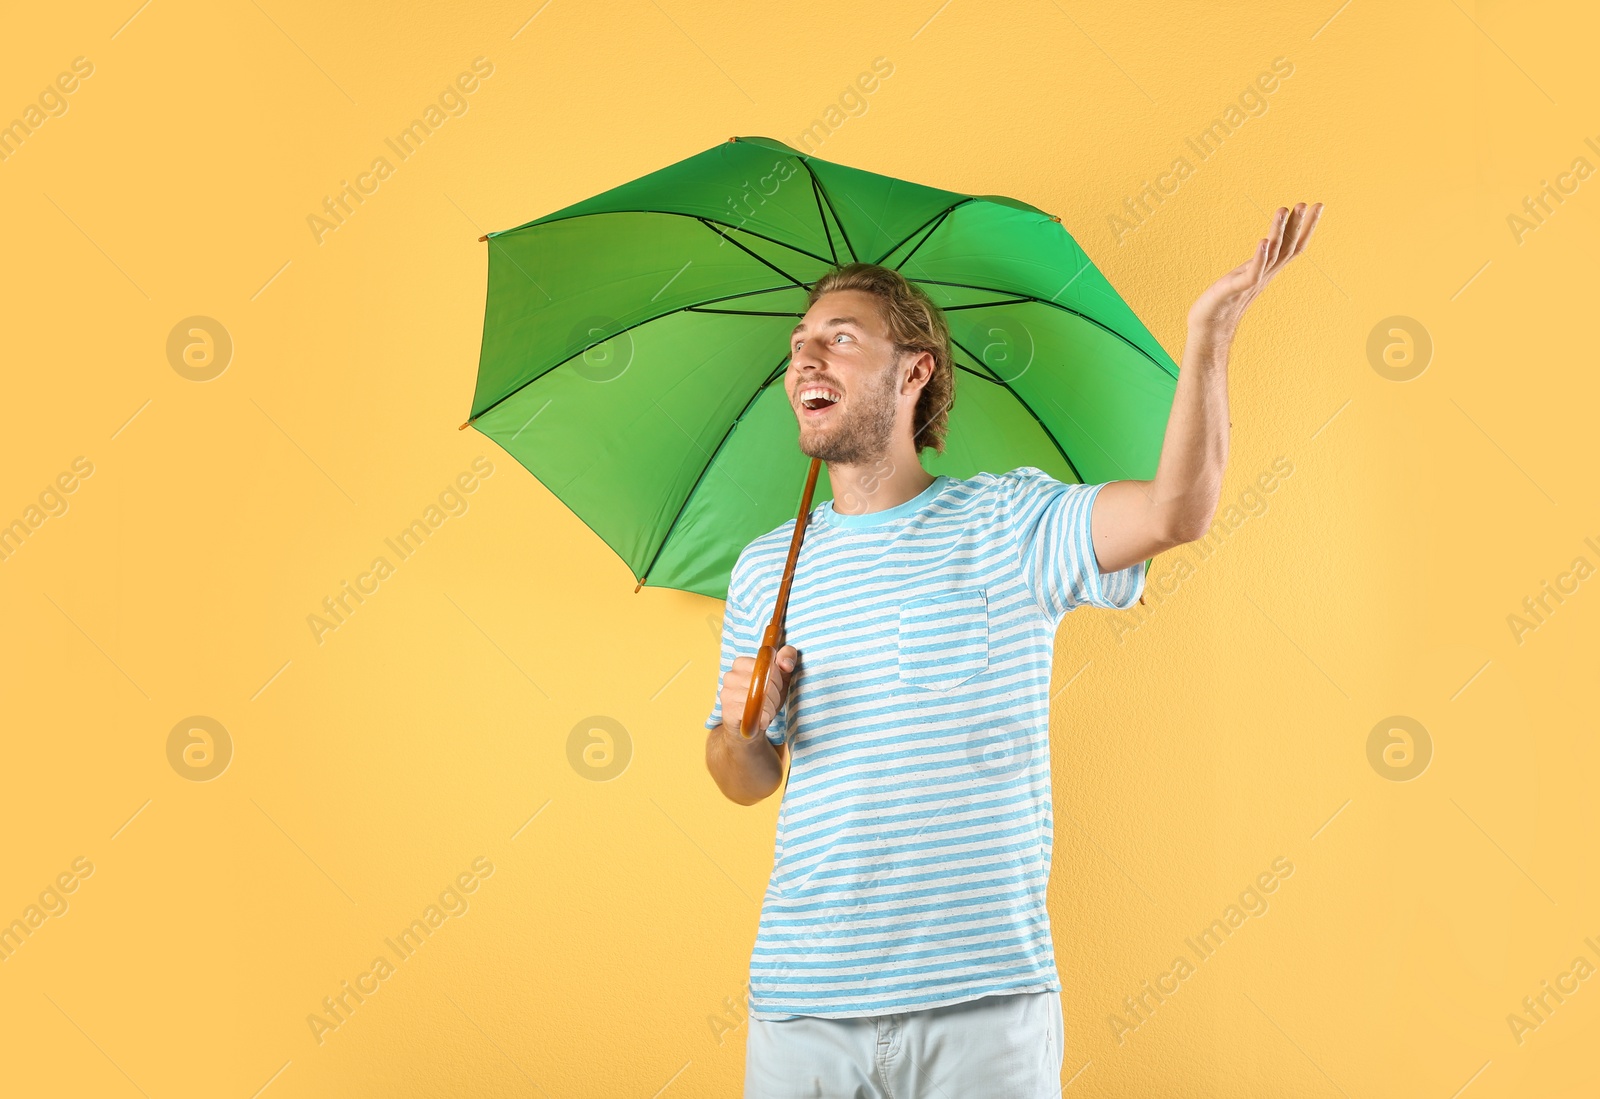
[997, 1047]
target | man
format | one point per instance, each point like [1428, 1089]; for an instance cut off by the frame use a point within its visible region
[904, 945]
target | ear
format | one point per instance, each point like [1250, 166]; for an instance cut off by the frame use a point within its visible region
[919, 371]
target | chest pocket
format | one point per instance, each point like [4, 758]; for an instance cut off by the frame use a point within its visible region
[944, 638]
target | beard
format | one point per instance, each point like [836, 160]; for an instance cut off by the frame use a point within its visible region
[860, 434]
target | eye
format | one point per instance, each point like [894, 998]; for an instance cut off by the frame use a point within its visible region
[836, 335]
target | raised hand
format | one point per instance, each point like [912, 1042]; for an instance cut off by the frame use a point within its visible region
[1215, 314]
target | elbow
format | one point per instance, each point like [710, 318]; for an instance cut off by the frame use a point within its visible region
[1192, 517]
[1190, 525]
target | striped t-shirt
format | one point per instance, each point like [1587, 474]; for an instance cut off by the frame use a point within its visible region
[914, 836]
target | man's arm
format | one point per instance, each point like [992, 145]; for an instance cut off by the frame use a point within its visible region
[1134, 520]
[748, 771]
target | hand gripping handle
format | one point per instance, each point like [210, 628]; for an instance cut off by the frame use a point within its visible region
[759, 677]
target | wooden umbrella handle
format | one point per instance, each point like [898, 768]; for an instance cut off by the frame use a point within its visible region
[772, 640]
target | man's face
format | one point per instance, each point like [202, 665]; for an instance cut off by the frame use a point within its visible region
[842, 350]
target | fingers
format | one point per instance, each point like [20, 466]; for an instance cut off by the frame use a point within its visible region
[748, 663]
[736, 687]
[1282, 225]
[1246, 277]
[738, 679]
[778, 683]
[1291, 231]
[1307, 226]
[1297, 232]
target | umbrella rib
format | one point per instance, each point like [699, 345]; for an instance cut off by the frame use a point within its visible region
[681, 309]
[989, 377]
[822, 217]
[742, 312]
[1064, 309]
[936, 220]
[760, 389]
[822, 192]
[1048, 434]
[759, 257]
[983, 304]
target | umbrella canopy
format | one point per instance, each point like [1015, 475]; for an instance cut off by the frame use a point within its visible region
[635, 344]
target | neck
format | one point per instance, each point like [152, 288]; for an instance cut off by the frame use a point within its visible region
[874, 486]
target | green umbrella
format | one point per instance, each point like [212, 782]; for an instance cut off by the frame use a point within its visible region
[635, 343]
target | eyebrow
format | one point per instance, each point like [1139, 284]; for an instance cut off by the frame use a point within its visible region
[826, 324]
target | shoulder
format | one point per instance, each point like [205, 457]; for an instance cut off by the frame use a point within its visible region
[1026, 477]
[1015, 486]
[1007, 481]
[762, 558]
[1030, 483]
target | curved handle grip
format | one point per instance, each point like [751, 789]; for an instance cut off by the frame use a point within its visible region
[759, 677]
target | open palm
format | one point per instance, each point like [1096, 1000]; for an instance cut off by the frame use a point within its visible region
[1217, 311]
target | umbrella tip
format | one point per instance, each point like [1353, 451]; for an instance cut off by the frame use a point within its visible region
[464, 426]
[637, 586]
[733, 139]
[483, 238]
[1053, 217]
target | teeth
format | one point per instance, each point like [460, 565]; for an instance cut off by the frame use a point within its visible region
[815, 391]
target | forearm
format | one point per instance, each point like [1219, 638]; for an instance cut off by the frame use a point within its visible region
[1188, 480]
[746, 772]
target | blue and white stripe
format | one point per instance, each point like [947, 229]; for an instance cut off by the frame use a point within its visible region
[914, 837]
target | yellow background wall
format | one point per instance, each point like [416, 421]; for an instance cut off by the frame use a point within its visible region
[603, 951]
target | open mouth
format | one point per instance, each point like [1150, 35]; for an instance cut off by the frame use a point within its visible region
[818, 399]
